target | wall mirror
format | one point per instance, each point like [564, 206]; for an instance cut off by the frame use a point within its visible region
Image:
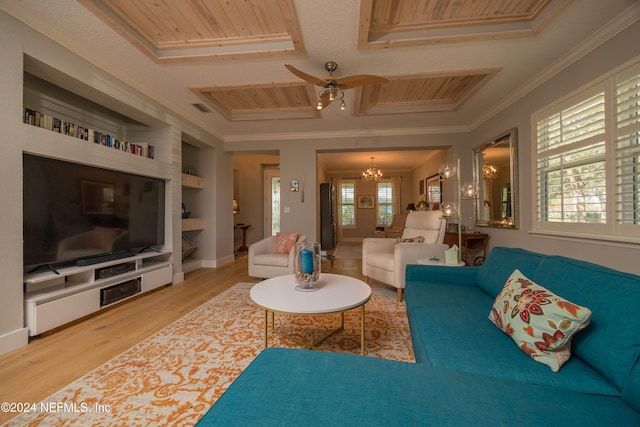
[495, 170]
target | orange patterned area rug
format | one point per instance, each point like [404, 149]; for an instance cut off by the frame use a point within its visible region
[174, 376]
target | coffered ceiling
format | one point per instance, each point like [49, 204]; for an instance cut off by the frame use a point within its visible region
[210, 29]
[451, 64]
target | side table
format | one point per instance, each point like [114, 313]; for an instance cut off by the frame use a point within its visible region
[244, 228]
[470, 241]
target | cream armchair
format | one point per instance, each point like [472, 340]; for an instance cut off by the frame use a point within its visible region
[266, 262]
[385, 260]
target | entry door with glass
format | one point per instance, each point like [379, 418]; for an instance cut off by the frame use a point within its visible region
[271, 202]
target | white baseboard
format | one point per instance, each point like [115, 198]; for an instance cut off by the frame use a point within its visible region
[219, 262]
[14, 340]
[195, 264]
[191, 265]
[178, 277]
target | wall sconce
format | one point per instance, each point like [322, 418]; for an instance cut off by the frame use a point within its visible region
[236, 207]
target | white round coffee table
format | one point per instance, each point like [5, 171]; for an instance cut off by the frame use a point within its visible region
[335, 294]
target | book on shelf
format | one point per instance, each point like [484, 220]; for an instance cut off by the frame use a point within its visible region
[36, 118]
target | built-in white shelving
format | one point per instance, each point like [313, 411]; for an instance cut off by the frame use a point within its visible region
[52, 299]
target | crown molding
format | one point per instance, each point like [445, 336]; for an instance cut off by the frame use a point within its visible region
[618, 24]
[347, 134]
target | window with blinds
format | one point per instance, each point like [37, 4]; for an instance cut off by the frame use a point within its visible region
[571, 164]
[348, 204]
[385, 204]
[628, 151]
[587, 160]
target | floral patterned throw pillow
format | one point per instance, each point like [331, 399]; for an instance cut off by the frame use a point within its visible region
[285, 241]
[540, 322]
[417, 239]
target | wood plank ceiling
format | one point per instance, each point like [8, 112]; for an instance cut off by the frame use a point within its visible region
[391, 23]
[206, 30]
[169, 31]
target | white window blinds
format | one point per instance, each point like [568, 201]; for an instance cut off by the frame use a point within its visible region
[571, 164]
[385, 204]
[587, 160]
[347, 204]
[628, 151]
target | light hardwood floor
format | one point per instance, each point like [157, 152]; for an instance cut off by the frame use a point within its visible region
[52, 361]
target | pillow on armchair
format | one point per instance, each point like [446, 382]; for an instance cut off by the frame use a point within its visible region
[417, 239]
[285, 241]
[272, 256]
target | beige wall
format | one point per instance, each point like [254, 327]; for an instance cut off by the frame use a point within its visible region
[616, 52]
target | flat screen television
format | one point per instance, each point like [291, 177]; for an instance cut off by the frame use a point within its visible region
[75, 214]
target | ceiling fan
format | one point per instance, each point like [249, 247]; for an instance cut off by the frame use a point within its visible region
[334, 86]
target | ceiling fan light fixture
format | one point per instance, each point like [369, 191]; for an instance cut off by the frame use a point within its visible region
[334, 86]
[329, 95]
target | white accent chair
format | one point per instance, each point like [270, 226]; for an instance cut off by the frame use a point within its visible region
[265, 262]
[385, 260]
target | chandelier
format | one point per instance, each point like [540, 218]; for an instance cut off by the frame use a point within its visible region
[329, 95]
[372, 174]
[489, 171]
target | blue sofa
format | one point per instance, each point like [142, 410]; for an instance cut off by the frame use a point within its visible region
[468, 372]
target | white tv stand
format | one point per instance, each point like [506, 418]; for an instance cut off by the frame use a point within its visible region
[51, 299]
